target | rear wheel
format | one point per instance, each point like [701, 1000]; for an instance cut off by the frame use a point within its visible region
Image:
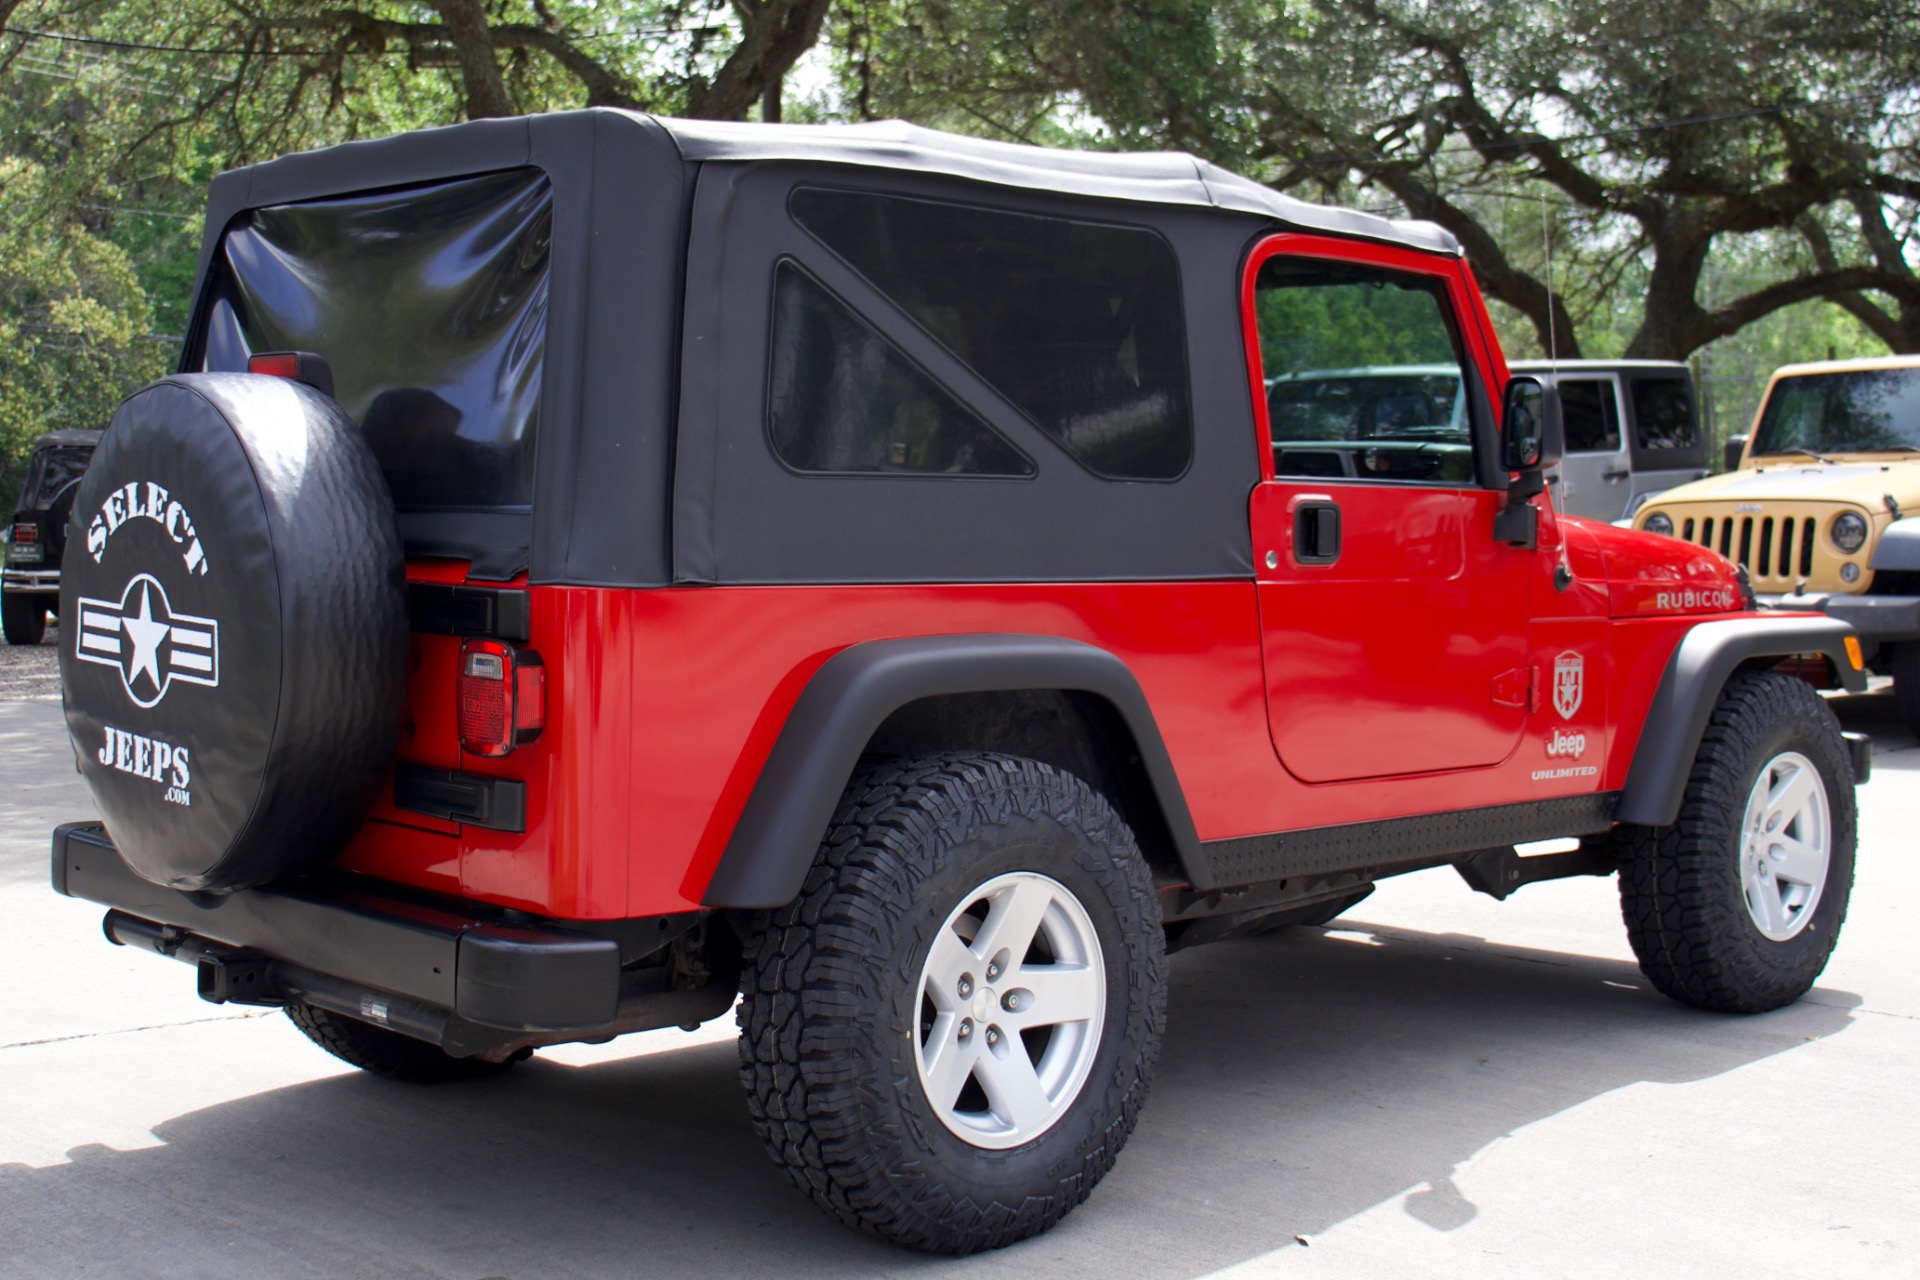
[947, 1037]
[23, 618]
[388, 1053]
[1738, 904]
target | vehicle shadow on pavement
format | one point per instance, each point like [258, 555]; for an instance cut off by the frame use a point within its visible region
[1305, 1078]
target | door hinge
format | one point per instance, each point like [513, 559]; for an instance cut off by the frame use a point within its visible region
[1515, 688]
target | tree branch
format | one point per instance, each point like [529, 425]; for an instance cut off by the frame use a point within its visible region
[776, 33]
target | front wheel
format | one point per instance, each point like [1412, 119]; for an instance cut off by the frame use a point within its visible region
[947, 1037]
[1738, 904]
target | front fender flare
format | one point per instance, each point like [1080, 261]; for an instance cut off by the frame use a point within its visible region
[1702, 663]
[779, 831]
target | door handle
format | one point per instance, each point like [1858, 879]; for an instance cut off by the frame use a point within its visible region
[1316, 533]
[1614, 475]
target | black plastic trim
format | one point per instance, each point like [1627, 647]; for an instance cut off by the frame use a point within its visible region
[476, 613]
[1705, 659]
[1422, 840]
[473, 799]
[779, 832]
[1878, 617]
[508, 976]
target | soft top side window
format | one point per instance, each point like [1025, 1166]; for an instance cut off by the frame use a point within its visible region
[1078, 324]
[842, 399]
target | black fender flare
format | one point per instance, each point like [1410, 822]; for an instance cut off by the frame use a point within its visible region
[1899, 547]
[848, 698]
[1702, 663]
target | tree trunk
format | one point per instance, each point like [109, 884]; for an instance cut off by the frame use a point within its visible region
[466, 25]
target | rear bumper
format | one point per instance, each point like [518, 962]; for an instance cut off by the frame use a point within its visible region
[38, 581]
[462, 982]
[1874, 618]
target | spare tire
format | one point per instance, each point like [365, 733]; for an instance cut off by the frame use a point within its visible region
[233, 630]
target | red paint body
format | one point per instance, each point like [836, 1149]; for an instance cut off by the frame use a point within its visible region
[1415, 675]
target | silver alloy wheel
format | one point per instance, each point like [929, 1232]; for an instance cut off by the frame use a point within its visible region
[1011, 1001]
[1786, 843]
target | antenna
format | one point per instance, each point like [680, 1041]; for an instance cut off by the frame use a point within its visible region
[1546, 238]
[1563, 574]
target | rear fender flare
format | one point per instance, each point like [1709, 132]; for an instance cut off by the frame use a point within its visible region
[779, 831]
[1705, 659]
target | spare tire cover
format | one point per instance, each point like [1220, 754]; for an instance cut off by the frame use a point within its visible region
[233, 630]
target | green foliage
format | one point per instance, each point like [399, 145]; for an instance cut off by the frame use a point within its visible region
[1348, 326]
[1692, 155]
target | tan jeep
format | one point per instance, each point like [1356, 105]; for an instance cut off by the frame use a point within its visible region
[1816, 505]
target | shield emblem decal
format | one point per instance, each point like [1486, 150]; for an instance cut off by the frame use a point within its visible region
[1569, 683]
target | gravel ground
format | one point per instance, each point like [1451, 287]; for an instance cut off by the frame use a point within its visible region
[31, 673]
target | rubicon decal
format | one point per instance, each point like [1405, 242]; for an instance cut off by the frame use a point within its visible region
[145, 500]
[1719, 599]
[149, 758]
[149, 644]
[1569, 683]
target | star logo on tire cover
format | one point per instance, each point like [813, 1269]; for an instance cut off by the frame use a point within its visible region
[147, 642]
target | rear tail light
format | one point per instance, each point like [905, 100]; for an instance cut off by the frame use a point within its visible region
[502, 697]
[25, 532]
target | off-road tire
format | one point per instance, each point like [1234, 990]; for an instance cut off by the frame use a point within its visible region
[829, 1016]
[1680, 886]
[23, 618]
[388, 1053]
[1902, 662]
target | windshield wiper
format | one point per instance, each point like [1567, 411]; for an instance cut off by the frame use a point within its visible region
[1817, 457]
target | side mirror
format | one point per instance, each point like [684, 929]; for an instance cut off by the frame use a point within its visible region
[1531, 440]
[1733, 451]
[1531, 434]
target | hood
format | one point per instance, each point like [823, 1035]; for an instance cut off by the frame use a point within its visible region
[1781, 480]
[1648, 575]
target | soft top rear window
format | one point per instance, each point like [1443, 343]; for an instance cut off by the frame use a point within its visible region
[52, 472]
[429, 303]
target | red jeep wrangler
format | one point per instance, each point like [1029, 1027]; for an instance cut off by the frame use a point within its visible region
[590, 568]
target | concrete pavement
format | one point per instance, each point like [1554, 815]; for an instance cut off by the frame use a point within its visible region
[1437, 1085]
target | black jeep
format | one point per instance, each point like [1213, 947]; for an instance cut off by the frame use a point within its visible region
[38, 533]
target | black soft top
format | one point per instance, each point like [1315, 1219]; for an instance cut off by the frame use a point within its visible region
[628, 369]
[1155, 177]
